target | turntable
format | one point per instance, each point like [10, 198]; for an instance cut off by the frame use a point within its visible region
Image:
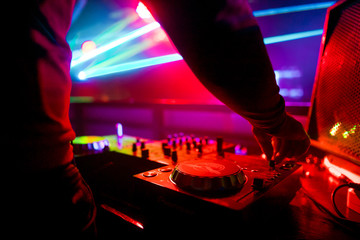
[231, 181]
[194, 183]
[211, 178]
[208, 170]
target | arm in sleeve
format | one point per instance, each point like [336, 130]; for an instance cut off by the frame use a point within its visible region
[223, 45]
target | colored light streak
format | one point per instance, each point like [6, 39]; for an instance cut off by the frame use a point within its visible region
[345, 134]
[293, 36]
[291, 9]
[105, 36]
[108, 34]
[126, 54]
[91, 72]
[130, 66]
[130, 36]
[335, 129]
[103, 68]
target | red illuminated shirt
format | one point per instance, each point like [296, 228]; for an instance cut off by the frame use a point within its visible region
[38, 125]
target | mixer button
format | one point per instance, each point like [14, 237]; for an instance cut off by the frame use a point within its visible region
[258, 183]
[150, 174]
[287, 166]
[165, 169]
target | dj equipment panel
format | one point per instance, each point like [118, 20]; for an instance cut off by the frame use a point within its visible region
[184, 178]
[250, 182]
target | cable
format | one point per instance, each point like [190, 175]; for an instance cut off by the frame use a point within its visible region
[333, 199]
[346, 223]
[349, 185]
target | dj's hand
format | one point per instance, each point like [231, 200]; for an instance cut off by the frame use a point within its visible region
[289, 141]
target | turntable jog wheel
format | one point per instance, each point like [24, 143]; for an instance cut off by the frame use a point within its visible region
[211, 178]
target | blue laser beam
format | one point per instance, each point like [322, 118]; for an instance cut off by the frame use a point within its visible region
[293, 36]
[129, 66]
[291, 9]
[130, 36]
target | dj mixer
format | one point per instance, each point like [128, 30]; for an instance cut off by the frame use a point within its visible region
[183, 180]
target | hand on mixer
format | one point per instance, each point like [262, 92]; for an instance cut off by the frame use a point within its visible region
[289, 140]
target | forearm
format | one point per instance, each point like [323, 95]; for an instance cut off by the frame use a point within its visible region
[222, 44]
